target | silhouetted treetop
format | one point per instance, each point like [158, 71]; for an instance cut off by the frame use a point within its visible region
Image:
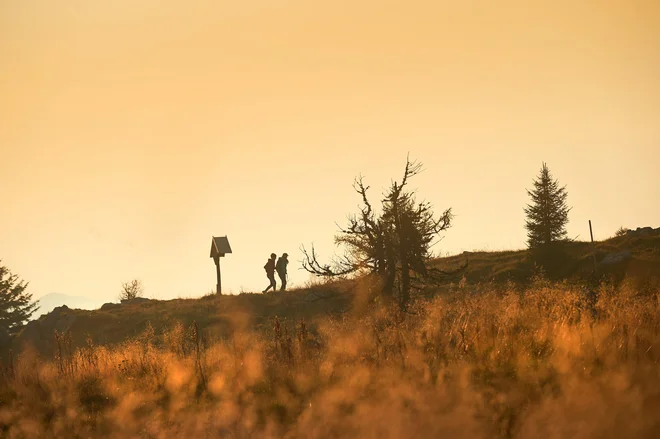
[16, 304]
[547, 214]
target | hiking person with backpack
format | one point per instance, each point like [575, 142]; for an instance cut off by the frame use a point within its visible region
[281, 269]
[270, 272]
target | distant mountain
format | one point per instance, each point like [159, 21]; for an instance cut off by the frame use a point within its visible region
[51, 301]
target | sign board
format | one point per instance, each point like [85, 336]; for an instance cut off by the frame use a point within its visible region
[219, 246]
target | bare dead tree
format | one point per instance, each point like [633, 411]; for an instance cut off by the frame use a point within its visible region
[394, 246]
[131, 290]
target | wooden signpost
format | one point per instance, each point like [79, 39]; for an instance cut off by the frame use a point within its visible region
[219, 248]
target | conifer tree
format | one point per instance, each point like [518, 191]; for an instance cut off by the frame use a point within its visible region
[547, 215]
[16, 305]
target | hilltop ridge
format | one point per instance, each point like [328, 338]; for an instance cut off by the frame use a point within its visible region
[50, 301]
[218, 316]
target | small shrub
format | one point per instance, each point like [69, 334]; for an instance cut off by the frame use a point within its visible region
[621, 231]
[131, 290]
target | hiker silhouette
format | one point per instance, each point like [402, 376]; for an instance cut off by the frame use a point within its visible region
[280, 267]
[270, 272]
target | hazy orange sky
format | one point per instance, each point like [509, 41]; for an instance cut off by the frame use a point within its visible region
[133, 131]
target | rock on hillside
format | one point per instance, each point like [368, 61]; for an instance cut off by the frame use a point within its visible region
[49, 302]
[60, 319]
[644, 231]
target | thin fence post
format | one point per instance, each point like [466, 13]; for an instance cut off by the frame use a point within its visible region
[593, 246]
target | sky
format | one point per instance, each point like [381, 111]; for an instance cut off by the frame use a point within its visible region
[133, 131]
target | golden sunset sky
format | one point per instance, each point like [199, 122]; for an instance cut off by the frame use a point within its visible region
[133, 131]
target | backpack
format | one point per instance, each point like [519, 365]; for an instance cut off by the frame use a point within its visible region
[281, 265]
[270, 266]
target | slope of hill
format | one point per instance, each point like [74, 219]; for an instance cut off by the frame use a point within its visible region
[640, 259]
[218, 316]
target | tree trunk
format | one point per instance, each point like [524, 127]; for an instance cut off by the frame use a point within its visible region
[404, 293]
[405, 285]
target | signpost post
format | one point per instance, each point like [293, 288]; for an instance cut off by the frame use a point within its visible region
[219, 247]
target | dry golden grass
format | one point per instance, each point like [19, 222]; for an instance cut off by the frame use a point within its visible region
[537, 363]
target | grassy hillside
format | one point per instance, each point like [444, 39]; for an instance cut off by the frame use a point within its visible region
[572, 262]
[499, 352]
[506, 363]
[218, 316]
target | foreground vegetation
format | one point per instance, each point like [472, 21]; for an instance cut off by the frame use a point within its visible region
[544, 361]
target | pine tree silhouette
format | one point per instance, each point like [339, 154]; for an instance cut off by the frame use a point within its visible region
[16, 304]
[547, 215]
